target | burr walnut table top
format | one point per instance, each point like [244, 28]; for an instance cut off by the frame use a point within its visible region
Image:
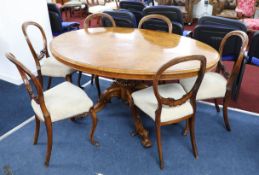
[133, 54]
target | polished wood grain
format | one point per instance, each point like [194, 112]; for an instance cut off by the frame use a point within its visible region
[133, 54]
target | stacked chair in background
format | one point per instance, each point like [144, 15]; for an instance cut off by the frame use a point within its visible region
[253, 52]
[59, 26]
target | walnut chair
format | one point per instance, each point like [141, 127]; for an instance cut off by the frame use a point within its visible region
[148, 18]
[54, 104]
[169, 103]
[171, 12]
[219, 84]
[87, 21]
[49, 66]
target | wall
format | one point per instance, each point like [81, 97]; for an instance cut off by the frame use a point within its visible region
[12, 15]
[200, 9]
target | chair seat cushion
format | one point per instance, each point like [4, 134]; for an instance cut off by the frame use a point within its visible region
[213, 86]
[63, 101]
[53, 68]
[146, 101]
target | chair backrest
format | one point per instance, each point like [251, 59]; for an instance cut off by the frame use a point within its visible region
[122, 18]
[52, 7]
[211, 30]
[55, 23]
[134, 6]
[162, 18]
[171, 12]
[26, 75]
[253, 52]
[191, 95]
[222, 22]
[98, 15]
[231, 77]
[44, 51]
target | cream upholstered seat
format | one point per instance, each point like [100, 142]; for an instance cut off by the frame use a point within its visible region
[146, 101]
[213, 85]
[63, 101]
[53, 68]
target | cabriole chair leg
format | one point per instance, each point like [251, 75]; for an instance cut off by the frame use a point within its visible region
[216, 105]
[36, 131]
[49, 144]
[159, 146]
[225, 112]
[49, 82]
[192, 133]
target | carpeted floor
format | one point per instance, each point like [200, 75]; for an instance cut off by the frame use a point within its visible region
[220, 152]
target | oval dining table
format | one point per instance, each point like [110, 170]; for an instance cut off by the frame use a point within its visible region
[129, 56]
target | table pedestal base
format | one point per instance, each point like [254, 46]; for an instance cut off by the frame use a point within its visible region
[123, 90]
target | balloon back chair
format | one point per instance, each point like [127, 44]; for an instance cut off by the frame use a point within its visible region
[169, 103]
[162, 19]
[46, 65]
[171, 12]
[219, 84]
[54, 104]
[87, 24]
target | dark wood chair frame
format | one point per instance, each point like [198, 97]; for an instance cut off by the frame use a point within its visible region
[39, 99]
[86, 26]
[172, 102]
[231, 77]
[157, 16]
[43, 53]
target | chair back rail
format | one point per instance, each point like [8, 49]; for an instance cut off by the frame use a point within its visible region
[156, 16]
[43, 53]
[25, 75]
[237, 64]
[191, 95]
[97, 15]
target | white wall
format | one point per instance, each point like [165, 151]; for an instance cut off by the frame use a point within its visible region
[12, 14]
[200, 9]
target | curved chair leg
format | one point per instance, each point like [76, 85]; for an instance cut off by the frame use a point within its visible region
[159, 146]
[79, 79]
[225, 112]
[186, 129]
[97, 84]
[69, 78]
[36, 131]
[49, 82]
[94, 124]
[92, 79]
[192, 133]
[216, 105]
[49, 145]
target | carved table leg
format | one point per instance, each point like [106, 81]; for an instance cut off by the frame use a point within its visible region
[123, 90]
